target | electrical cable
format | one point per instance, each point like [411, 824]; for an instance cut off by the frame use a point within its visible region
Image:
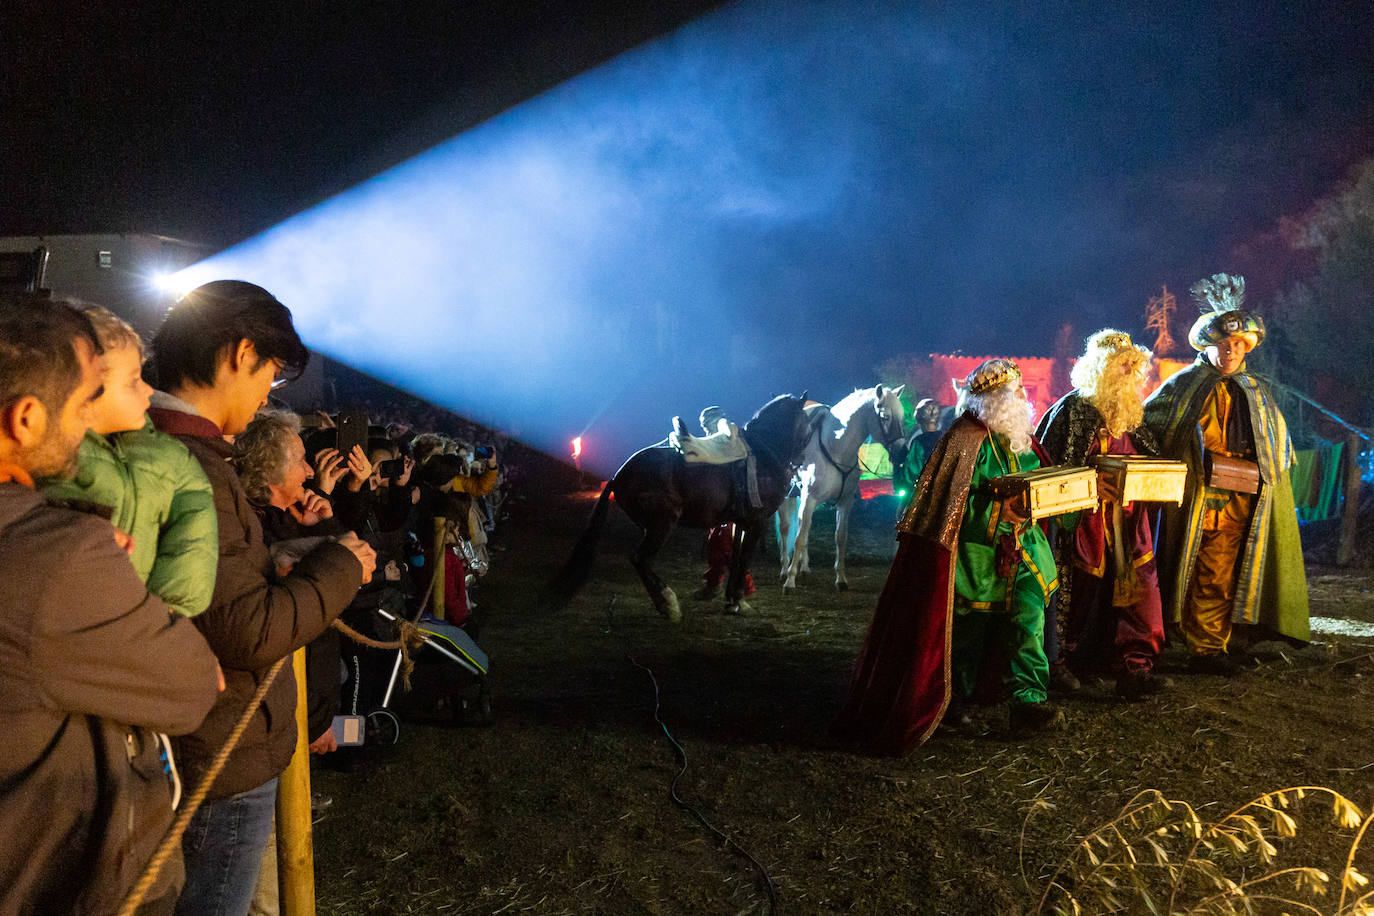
[677, 799]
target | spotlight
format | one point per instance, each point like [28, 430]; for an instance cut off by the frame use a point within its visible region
[172, 283]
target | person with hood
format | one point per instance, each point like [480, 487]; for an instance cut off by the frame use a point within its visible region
[155, 491]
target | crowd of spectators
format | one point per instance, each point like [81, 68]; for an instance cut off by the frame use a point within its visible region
[220, 537]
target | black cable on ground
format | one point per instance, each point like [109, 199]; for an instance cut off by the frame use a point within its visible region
[677, 799]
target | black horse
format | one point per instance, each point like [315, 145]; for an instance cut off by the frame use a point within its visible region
[659, 491]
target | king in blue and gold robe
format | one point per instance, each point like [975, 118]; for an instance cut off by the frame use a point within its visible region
[1270, 584]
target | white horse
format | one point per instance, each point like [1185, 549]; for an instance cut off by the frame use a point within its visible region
[829, 472]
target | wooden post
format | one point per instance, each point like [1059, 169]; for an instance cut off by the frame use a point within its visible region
[295, 853]
[1350, 511]
[437, 574]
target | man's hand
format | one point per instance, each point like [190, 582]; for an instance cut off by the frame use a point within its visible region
[365, 554]
[329, 467]
[324, 743]
[1015, 510]
[408, 464]
[125, 540]
[1107, 489]
[311, 510]
[359, 467]
[491, 462]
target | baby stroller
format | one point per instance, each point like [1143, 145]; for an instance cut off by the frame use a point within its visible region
[465, 690]
[454, 644]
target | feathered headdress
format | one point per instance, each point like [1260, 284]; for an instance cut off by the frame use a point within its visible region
[1219, 293]
[1219, 298]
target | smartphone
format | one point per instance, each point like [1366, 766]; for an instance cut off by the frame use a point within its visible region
[392, 468]
[352, 430]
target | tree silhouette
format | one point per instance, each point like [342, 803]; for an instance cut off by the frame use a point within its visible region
[1157, 314]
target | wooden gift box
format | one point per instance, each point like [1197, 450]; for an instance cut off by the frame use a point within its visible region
[1235, 474]
[1141, 479]
[1050, 491]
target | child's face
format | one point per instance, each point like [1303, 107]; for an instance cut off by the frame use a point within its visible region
[125, 400]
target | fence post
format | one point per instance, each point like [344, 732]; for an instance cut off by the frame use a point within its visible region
[1350, 510]
[295, 854]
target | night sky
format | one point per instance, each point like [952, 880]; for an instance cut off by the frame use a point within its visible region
[794, 191]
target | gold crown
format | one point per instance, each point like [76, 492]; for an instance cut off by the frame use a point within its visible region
[1114, 340]
[993, 374]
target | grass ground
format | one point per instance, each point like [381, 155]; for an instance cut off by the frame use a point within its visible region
[563, 806]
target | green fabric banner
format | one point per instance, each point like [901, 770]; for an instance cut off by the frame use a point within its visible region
[1318, 480]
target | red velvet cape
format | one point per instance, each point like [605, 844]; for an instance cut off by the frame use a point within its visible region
[901, 683]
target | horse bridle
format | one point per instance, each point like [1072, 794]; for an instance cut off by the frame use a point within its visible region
[772, 456]
[858, 463]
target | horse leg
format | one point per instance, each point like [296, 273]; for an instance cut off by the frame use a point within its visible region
[663, 597]
[799, 551]
[787, 510]
[746, 539]
[842, 510]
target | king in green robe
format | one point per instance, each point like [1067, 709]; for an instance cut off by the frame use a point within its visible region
[969, 584]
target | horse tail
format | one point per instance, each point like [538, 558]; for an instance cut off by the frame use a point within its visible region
[578, 569]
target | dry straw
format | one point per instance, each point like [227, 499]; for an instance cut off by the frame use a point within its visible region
[1159, 856]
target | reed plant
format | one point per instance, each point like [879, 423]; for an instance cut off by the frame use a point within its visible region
[1160, 856]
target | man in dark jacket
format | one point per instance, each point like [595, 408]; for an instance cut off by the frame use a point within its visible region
[217, 355]
[91, 664]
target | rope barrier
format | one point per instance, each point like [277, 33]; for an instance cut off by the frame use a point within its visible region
[173, 838]
[409, 638]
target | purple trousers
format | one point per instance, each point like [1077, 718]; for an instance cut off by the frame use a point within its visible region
[1101, 639]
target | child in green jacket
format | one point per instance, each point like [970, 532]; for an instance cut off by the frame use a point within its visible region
[157, 493]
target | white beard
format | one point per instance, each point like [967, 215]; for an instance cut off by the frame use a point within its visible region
[1007, 415]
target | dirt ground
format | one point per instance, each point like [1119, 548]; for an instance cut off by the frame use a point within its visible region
[563, 804]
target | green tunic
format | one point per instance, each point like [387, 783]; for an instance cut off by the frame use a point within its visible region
[905, 475]
[989, 608]
[977, 585]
